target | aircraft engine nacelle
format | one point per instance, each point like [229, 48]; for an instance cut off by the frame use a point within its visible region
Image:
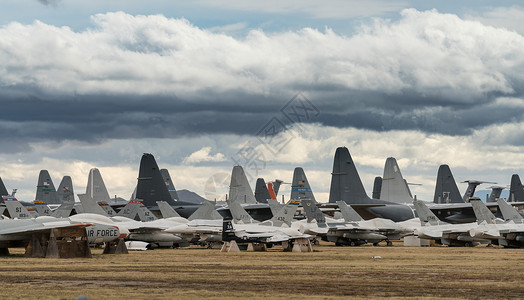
[155, 237]
[99, 233]
[364, 236]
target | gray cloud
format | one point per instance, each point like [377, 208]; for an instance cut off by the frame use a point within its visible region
[49, 2]
[150, 76]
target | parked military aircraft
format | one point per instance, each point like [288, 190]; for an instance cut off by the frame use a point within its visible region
[346, 186]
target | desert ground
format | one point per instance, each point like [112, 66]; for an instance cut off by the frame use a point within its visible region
[328, 273]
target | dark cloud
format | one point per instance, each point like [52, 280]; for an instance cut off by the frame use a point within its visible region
[96, 118]
[151, 76]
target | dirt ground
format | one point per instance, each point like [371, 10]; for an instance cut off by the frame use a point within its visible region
[329, 272]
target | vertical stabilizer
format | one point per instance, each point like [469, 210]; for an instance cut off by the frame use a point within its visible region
[516, 190]
[206, 211]
[394, 187]
[300, 188]
[145, 215]
[496, 191]
[470, 190]
[239, 213]
[274, 206]
[425, 214]
[313, 212]
[446, 190]
[91, 206]
[151, 186]
[65, 191]
[377, 186]
[16, 209]
[167, 210]
[130, 210]
[45, 189]
[42, 209]
[3, 190]
[345, 182]
[64, 210]
[482, 212]
[276, 185]
[96, 188]
[261, 191]
[508, 212]
[169, 184]
[239, 189]
[348, 213]
[283, 216]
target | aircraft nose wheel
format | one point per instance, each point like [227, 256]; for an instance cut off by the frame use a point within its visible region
[389, 243]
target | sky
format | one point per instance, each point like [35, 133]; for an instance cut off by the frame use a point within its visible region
[206, 85]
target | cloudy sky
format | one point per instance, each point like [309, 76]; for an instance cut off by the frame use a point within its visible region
[204, 85]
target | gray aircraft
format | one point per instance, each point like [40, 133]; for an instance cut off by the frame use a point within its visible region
[346, 186]
[433, 228]
[152, 187]
[505, 233]
[339, 232]
[393, 187]
[516, 190]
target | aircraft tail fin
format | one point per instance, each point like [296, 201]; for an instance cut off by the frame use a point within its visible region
[425, 214]
[276, 186]
[169, 184]
[348, 213]
[345, 182]
[496, 191]
[167, 210]
[65, 191]
[45, 189]
[107, 208]
[239, 189]
[482, 212]
[377, 186]
[300, 188]
[516, 190]
[64, 210]
[130, 210]
[91, 206]
[394, 187]
[151, 186]
[508, 212]
[145, 215]
[16, 209]
[96, 187]
[228, 232]
[42, 209]
[206, 211]
[3, 190]
[239, 213]
[313, 212]
[261, 191]
[274, 206]
[446, 190]
[285, 215]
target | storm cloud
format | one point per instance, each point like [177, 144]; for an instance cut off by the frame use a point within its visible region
[156, 77]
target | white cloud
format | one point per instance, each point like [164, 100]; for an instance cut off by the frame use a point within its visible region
[203, 155]
[426, 52]
[502, 17]
[484, 155]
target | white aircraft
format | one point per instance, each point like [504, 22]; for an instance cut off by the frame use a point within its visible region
[505, 233]
[444, 233]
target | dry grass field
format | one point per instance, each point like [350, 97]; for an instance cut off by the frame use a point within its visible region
[328, 273]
